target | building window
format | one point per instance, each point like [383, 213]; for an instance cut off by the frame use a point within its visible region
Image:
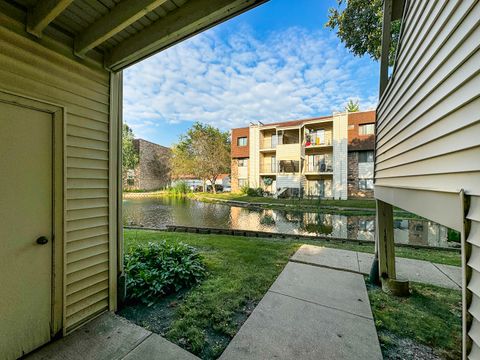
[365, 184]
[242, 162]
[242, 141]
[366, 129]
[242, 183]
[365, 156]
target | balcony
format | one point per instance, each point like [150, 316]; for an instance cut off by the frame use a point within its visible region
[268, 143]
[289, 151]
[315, 138]
[289, 166]
[268, 168]
[322, 168]
[316, 142]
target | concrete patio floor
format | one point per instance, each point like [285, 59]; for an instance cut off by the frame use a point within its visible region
[111, 337]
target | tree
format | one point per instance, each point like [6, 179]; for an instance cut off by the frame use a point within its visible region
[359, 27]
[204, 152]
[352, 106]
[129, 154]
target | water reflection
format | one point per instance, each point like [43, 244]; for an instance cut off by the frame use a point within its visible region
[157, 213]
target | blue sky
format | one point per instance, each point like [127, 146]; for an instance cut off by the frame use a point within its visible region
[276, 62]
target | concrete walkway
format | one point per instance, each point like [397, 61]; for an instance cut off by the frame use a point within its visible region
[318, 308]
[111, 337]
[414, 270]
[310, 312]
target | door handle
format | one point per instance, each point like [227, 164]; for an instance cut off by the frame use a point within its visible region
[42, 240]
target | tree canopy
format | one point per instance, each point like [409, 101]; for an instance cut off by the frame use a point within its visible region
[352, 106]
[359, 27]
[204, 152]
[129, 154]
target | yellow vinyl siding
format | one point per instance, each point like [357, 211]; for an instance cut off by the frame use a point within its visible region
[288, 152]
[428, 126]
[32, 70]
[429, 114]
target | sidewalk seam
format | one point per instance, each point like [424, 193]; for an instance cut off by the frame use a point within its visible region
[325, 266]
[136, 346]
[322, 305]
[444, 273]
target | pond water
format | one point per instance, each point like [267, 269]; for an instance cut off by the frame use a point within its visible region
[160, 212]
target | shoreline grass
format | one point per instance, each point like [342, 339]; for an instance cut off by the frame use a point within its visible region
[349, 207]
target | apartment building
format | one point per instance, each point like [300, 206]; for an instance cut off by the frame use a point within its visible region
[327, 157]
[153, 169]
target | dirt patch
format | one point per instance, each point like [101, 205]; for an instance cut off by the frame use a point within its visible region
[157, 317]
[397, 348]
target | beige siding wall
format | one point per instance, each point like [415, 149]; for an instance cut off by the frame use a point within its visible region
[31, 70]
[254, 157]
[290, 181]
[429, 117]
[428, 128]
[288, 152]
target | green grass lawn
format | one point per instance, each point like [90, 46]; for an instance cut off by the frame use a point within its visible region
[431, 316]
[240, 271]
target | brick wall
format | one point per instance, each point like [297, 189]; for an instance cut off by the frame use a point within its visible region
[355, 140]
[153, 169]
[240, 151]
[352, 178]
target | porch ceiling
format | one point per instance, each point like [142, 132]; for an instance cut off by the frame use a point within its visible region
[121, 33]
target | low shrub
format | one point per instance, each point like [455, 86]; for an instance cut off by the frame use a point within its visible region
[254, 192]
[159, 269]
[453, 235]
[244, 189]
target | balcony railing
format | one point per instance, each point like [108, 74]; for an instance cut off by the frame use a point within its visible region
[268, 143]
[318, 168]
[319, 141]
[268, 168]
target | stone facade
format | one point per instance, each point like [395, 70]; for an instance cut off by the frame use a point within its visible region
[153, 169]
[234, 175]
[353, 178]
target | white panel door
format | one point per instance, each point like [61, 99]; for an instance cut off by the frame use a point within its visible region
[25, 229]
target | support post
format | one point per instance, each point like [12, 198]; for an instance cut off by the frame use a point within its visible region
[384, 239]
[386, 41]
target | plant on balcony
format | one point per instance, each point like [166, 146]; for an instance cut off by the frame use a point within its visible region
[268, 181]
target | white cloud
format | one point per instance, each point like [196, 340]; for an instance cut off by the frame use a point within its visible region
[229, 82]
